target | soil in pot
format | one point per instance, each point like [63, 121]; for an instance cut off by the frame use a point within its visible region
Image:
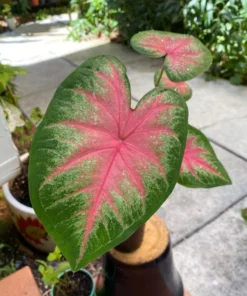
[19, 188]
[76, 284]
[16, 254]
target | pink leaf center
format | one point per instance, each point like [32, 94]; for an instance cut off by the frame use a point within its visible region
[194, 158]
[123, 142]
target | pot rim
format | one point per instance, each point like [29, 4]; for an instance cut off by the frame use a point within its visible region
[14, 202]
[11, 199]
[82, 270]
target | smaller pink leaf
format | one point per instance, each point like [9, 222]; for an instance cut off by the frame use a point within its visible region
[182, 88]
[200, 166]
[185, 56]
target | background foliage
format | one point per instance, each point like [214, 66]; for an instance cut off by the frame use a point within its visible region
[139, 15]
[127, 16]
[21, 127]
[8, 98]
[222, 26]
[95, 18]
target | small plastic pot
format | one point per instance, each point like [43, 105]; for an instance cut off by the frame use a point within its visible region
[80, 271]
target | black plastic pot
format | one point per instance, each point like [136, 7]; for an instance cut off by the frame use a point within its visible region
[156, 278]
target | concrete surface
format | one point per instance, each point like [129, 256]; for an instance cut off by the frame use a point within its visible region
[190, 209]
[209, 235]
[213, 261]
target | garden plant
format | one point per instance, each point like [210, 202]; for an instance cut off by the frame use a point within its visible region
[20, 125]
[50, 274]
[56, 273]
[95, 19]
[8, 98]
[135, 16]
[22, 128]
[222, 26]
[98, 168]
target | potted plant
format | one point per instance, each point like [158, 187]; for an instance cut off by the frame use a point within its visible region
[78, 283]
[35, 3]
[99, 169]
[22, 129]
[10, 20]
[62, 280]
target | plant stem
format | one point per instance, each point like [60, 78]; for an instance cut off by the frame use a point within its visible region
[47, 292]
[161, 72]
[133, 242]
[8, 88]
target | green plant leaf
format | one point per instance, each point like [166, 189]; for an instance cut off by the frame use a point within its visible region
[182, 88]
[4, 79]
[185, 56]
[8, 72]
[99, 169]
[7, 269]
[62, 267]
[56, 255]
[36, 115]
[244, 214]
[244, 4]
[41, 269]
[201, 167]
[236, 79]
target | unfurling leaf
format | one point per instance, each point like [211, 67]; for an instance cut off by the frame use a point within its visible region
[182, 88]
[99, 169]
[55, 255]
[185, 56]
[200, 166]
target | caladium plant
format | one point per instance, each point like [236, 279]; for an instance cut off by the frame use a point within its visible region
[99, 169]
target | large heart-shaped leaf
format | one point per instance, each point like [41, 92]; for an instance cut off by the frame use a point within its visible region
[185, 56]
[200, 166]
[182, 88]
[98, 169]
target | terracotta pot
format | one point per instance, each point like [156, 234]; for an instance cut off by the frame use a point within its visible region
[19, 283]
[80, 271]
[35, 2]
[27, 223]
